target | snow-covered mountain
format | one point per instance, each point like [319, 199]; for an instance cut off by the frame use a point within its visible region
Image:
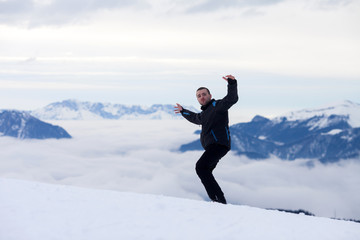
[77, 110]
[22, 125]
[328, 134]
[32, 211]
[346, 108]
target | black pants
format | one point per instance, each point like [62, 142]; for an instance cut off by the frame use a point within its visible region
[204, 167]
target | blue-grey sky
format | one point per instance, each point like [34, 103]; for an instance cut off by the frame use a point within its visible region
[286, 54]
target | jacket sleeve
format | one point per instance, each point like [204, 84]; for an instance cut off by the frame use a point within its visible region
[232, 96]
[191, 116]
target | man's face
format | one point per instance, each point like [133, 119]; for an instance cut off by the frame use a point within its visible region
[203, 97]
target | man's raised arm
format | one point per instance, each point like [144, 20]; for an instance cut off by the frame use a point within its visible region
[232, 93]
[188, 115]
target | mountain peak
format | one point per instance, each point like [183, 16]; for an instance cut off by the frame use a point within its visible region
[22, 125]
[259, 118]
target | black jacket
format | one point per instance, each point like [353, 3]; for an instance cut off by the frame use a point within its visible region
[214, 118]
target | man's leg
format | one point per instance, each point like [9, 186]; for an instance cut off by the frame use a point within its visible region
[204, 167]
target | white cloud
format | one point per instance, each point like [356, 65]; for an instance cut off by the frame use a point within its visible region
[140, 156]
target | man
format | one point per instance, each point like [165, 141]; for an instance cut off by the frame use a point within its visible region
[215, 135]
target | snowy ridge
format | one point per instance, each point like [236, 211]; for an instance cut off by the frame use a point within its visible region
[32, 211]
[345, 108]
[77, 110]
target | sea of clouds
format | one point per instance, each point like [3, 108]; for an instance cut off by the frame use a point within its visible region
[141, 156]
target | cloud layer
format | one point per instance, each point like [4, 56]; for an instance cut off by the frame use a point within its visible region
[140, 156]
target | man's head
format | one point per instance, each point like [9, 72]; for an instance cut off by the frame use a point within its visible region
[203, 96]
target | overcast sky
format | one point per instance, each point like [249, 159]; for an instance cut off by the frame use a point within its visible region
[287, 55]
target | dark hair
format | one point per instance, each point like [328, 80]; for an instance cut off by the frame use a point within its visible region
[201, 88]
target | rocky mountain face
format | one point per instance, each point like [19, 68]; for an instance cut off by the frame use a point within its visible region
[24, 126]
[313, 134]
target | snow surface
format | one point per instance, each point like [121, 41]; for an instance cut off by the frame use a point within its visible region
[33, 211]
[262, 137]
[334, 132]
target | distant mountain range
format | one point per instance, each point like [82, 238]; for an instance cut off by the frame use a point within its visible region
[77, 110]
[329, 134]
[22, 125]
[27, 124]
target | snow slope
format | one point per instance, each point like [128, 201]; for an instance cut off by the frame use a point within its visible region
[33, 211]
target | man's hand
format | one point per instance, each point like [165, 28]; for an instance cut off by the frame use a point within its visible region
[178, 108]
[229, 77]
